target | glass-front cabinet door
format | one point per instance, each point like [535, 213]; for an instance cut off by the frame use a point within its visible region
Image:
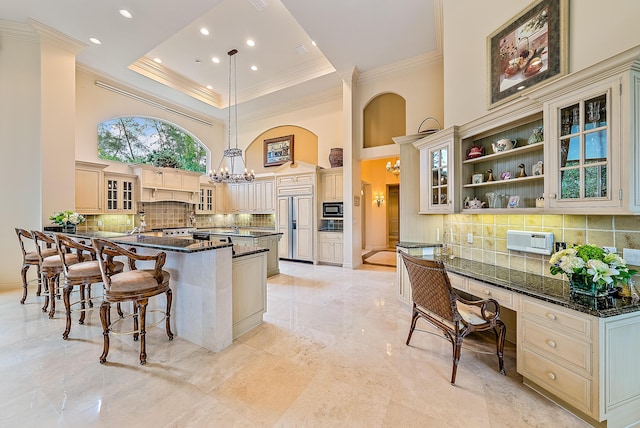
[437, 167]
[584, 150]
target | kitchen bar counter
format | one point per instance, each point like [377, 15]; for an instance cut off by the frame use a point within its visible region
[249, 233]
[183, 244]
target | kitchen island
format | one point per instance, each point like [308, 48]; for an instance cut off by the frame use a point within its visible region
[201, 282]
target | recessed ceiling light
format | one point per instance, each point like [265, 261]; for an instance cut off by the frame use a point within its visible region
[519, 88]
[95, 41]
[313, 43]
[209, 87]
[204, 31]
[254, 68]
[158, 60]
[250, 42]
[125, 13]
[216, 60]
[198, 62]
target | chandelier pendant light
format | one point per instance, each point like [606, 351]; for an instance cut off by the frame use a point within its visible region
[228, 174]
[394, 168]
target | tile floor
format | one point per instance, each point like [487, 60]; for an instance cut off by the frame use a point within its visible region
[330, 353]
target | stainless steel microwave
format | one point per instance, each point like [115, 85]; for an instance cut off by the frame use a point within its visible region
[332, 209]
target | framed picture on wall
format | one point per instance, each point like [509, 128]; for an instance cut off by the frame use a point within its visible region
[529, 49]
[279, 150]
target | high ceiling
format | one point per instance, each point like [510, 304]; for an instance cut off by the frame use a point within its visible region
[367, 34]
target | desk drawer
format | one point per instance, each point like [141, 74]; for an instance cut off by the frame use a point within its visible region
[564, 383]
[555, 316]
[482, 290]
[575, 352]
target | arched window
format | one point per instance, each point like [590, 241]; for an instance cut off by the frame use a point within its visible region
[133, 139]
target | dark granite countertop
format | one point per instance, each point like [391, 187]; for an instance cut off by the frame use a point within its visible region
[330, 230]
[247, 233]
[177, 244]
[552, 290]
[407, 244]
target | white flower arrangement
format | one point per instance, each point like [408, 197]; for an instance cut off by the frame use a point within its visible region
[67, 217]
[591, 263]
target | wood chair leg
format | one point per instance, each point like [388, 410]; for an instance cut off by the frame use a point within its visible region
[104, 311]
[39, 282]
[501, 333]
[23, 273]
[142, 312]
[83, 305]
[89, 295]
[45, 281]
[168, 314]
[54, 284]
[414, 320]
[66, 295]
[119, 309]
[136, 315]
[457, 347]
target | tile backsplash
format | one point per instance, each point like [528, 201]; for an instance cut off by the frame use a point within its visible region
[490, 235]
[159, 215]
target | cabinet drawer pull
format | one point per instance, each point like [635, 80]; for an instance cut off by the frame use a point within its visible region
[551, 375]
[551, 343]
[551, 316]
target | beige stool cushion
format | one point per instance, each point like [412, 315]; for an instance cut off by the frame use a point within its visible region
[135, 281]
[32, 256]
[472, 314]
[89, 268]
[56, 261]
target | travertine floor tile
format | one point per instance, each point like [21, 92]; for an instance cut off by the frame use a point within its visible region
[331, 353]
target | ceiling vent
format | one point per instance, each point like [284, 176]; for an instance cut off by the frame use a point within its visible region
[258, 4]
[301, 49]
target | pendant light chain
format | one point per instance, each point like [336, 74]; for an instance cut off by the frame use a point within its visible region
[223, 175]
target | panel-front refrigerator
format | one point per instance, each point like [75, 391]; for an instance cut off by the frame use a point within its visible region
[295, 221]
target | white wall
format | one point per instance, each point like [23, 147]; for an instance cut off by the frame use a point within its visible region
[597, 30]
[19, 143]
[97, 104]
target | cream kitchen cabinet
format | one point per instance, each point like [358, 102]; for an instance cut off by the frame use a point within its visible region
[207, 200]
[594, 156]
[403, 285]
[330, 247]
[581, 359]
[89, 187]
[261, 196]
[119, 193]
[249, 291]
[439, 163]
[331, 181]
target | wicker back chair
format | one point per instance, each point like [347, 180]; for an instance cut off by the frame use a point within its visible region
[435, 301]
[31, 257]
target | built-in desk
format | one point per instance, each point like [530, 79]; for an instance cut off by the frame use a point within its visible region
[580, 352]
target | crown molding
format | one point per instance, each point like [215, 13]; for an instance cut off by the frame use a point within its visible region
[154, 71]
[56, 38]
[401, 66]
[18, 31]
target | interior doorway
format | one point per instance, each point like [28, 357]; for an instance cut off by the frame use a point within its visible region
[393, 215]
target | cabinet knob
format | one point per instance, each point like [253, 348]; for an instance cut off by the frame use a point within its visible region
[551, 317]
[487, 292]
[552, 195]
[551, 375]
[551, 343]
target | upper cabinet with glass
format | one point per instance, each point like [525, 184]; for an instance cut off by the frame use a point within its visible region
[593, 154]
[438, 161]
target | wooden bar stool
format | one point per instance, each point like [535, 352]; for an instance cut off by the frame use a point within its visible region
[50, 269]
[31, 258]
[135, 285]
[83, 273]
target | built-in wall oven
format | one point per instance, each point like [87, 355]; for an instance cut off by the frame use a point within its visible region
[332, 209]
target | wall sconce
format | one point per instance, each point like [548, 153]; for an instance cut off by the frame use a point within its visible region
[394, 168]
[378, 199]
